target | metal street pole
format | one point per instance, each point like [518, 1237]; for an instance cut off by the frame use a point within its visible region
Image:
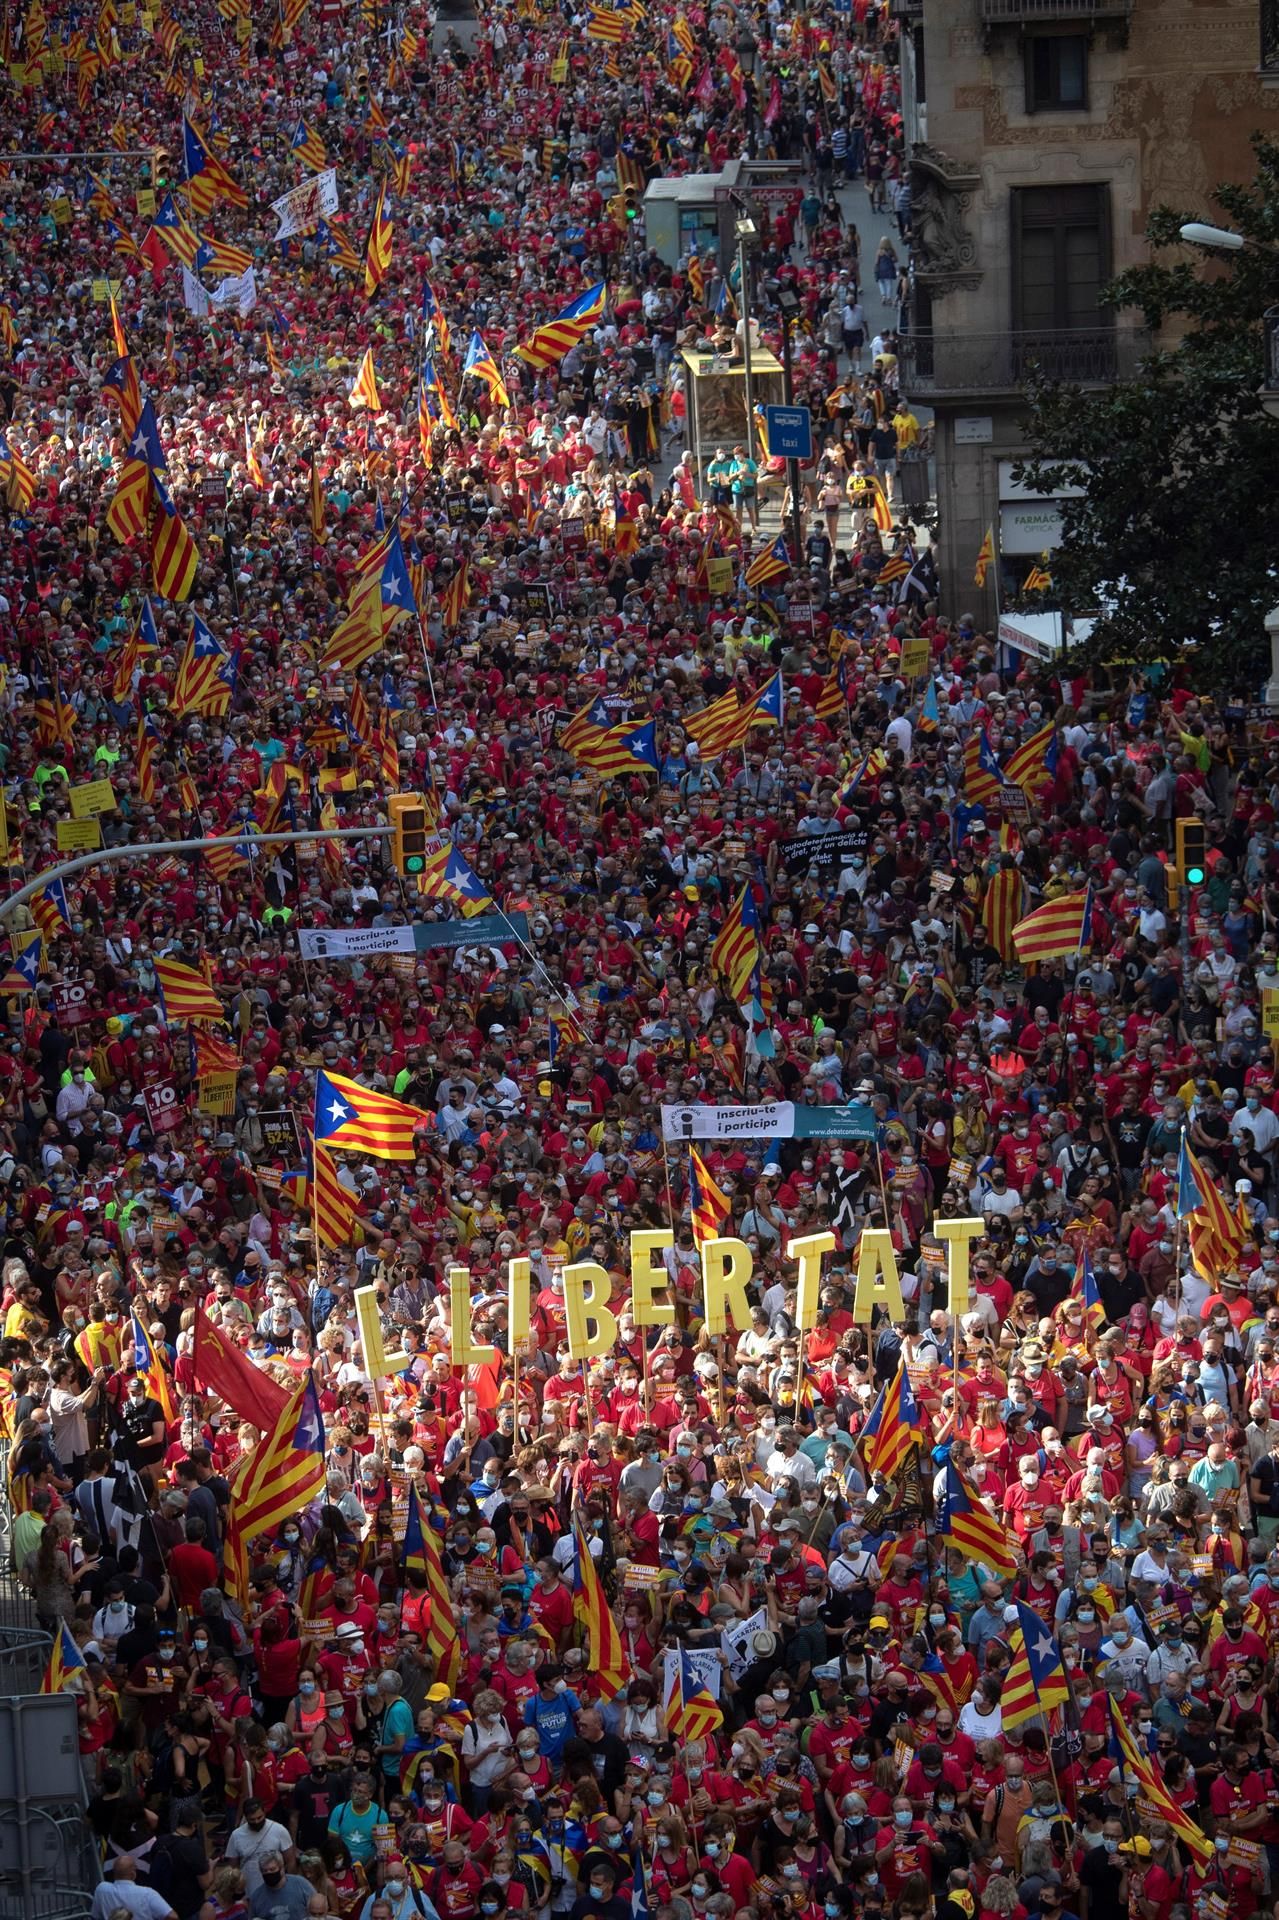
[792, 465]
[746, 231]
[146, 848]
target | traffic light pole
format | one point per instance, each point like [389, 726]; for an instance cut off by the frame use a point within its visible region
[1183, 935]
[792, 465]
[1190, 857]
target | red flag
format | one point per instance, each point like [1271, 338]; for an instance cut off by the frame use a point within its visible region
[153, 252]
[221, 1367]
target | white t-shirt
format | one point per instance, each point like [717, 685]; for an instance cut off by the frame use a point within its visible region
[248, 1850]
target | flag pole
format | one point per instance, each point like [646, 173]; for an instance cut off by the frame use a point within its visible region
[1176, 1232]
[1048, 1728]
[924, 1515]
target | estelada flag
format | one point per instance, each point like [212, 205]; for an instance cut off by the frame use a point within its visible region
[1035, 1682]
[893, 1429]
[360, 1119]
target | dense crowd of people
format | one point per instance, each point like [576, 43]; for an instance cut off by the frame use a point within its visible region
[808, 1714]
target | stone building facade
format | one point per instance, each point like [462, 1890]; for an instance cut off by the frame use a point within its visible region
[1040, 135]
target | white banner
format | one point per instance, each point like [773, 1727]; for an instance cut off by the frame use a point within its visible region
[194, 296]
[736, 1641]
[301, 209]
[704, 1661]
[345, 943]
[773, 1122]
[240, 290]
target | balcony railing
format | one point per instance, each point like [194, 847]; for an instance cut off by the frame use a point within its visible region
[1015, 13]
[934, 363]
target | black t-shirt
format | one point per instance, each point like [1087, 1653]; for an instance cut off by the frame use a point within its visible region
[1266, 1472]
[608, 1756]
[139, 1417]
[1130, 1131]
[136, 1644]
[1165, 991]
[1204, 1754]
[1120, 1291]
[178, 1880]
[1045, 990]
[313, 1802]
[1100, 1876]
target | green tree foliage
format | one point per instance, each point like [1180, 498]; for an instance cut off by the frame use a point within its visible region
[1175, 535]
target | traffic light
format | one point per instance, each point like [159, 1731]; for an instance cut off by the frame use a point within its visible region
[1192, 852]
[408, 834]
[624, 207]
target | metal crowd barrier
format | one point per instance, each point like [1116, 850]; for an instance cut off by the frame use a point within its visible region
[49, 1867]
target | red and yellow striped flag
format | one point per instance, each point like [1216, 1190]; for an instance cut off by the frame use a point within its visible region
[607, 1659]
[1057, 928]
[442, 1642]
[457, 596]
[1001, 909]
[364, 393]
[185, 994]
[333, 1209]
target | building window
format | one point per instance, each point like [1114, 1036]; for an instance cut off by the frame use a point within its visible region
[1061, 258]
[1269, 36]
[1057, 73]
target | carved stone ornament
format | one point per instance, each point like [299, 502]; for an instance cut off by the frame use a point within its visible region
[941, 193]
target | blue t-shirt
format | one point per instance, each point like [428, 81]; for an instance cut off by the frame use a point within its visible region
[553, 1720]
[398, 1719]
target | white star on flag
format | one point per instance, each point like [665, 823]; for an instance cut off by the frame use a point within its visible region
[338, 1111]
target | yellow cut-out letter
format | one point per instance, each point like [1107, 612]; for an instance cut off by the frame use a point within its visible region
[517, 1295]
[727, 1266]
[649, 1275]
[377, 1362]
[462, 1349]
[878, 1284]
[959, 1235]
[808, 1252]
[587, 1291]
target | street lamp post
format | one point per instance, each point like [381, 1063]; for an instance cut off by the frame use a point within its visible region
[1199, 233]
[787, 302]
[746, 232]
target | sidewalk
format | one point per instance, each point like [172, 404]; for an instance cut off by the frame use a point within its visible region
[871, 229]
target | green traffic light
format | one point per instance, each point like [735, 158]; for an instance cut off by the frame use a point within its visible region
[1195, 876]
[414, 863]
